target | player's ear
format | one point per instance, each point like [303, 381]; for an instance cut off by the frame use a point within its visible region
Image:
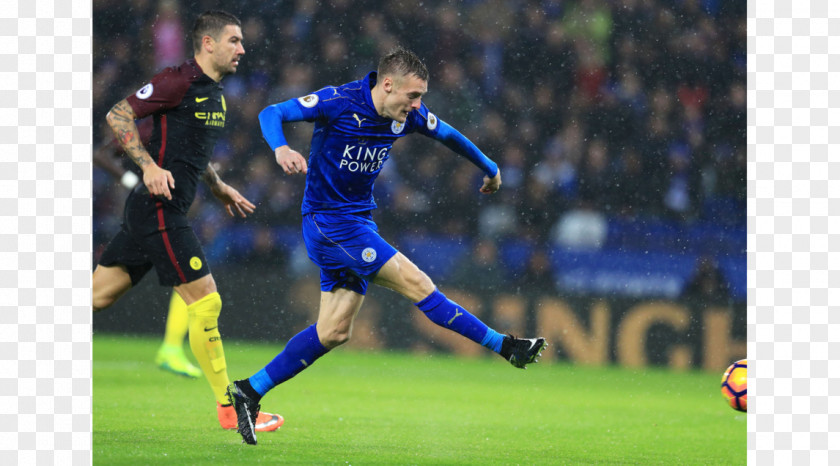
[387, 84]
[207, 43]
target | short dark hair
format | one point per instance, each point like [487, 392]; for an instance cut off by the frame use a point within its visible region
[402, 62]
[211, 23]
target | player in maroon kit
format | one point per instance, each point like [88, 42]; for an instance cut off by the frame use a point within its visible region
[170, 355]
[188, 109]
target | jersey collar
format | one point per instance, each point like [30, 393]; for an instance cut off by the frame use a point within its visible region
[370, 79]
[200, 74]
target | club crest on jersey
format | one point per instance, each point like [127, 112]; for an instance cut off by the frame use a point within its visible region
[369, 255]
[308, 101]
[397, 127]
[195, 263]
[431, 121]
[145, 91]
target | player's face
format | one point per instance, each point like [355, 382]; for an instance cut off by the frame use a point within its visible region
[406, 92]
[228, 50]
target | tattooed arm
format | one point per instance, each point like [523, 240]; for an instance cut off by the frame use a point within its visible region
[121, 120]
[229, 196]
[211, 177]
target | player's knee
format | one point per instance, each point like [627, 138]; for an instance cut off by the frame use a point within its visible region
[208, 308]
[98, 305]
[198, 290]
[419, 283]
[102, 301]
[335, 337]
[108, 285]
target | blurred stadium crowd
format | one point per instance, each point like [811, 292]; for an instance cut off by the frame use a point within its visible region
[619, 127]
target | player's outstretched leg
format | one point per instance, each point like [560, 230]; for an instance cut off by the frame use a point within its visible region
[448, 314]
[170, 356]
[522, 351]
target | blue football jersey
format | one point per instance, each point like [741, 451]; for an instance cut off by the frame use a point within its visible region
[350, 144]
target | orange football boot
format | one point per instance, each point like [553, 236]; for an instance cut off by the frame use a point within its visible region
[266, 422]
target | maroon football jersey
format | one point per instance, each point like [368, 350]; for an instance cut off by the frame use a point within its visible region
[189, 110]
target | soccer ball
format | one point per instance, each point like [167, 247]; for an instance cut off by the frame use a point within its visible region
[733, 385]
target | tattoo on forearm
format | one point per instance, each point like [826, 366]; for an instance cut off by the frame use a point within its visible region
[125, 137]
[210, 176]
[120, 117]
[121, 120]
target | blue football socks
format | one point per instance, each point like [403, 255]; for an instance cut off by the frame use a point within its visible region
[300, 352]
[305, 347]
[446, 313]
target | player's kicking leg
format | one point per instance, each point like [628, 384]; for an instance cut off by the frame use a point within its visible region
[522, 351]
[402, 276]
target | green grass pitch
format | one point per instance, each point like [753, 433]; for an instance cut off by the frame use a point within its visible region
[398, 408]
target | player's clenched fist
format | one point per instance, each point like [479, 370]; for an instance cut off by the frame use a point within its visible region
[491, 185]
[290, 160]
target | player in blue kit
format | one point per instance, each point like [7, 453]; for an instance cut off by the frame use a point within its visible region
[355, 127]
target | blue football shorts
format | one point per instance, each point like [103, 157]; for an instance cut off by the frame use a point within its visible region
[347, 248]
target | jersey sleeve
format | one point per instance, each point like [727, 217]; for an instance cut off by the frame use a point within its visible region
[324, 104]
[163, 92]
[424, 122]
[427, 123]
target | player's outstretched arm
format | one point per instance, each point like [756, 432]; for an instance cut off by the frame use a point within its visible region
[458, 143]
[121, 120]
[229, 196]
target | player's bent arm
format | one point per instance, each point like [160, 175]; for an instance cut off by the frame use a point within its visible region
[211, 178]
[214, 182]
[271, 123]
[121, 120]
[234, 201]
[272, 119]
[458, 143]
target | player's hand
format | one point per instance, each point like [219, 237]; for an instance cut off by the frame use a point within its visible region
[290, 159]
[491, 185]
[232, 200]
[158, 181]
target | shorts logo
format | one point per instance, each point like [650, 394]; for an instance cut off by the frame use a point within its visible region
[369, 255]
[397, 127]
[195, 263]
[432, 121]
[145, 92]
[308, 101]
